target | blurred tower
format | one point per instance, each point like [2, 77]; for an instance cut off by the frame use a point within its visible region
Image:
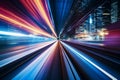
[106, 13]
[114, 12]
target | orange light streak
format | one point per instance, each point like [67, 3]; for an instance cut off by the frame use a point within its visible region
[12, 18]
[43, 14]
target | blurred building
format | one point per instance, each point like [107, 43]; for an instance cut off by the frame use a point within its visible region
[104, 15]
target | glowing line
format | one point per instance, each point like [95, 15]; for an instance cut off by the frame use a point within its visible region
[96, 66]
[25, 48]
[30, 72]
[37, 6]
[14, 52]
[69, 70]
[12, 18]
[13, 58]
[25, 26]
[17, 18]
[29, 5]
[43, 14]
[14, 34]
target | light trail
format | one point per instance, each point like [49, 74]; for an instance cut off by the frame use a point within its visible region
[97, 47]
[16, 51]
[21, 23]
[26, 52]
[30, 72]
[40, 7]
[41, 55]
[72, 73]
[38, 10]
[16, 34]
[89, 61]
[49, 61]
[30, 6]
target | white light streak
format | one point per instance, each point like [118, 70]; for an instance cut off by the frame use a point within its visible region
[30, 72]
[89, 61]
[22, 54]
